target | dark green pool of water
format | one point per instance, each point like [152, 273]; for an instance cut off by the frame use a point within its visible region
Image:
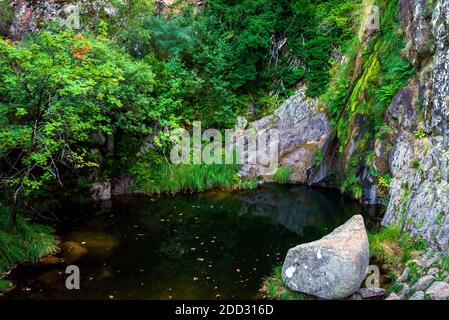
[214, 245]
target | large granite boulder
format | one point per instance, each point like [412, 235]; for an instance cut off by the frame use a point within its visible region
[302, 132]
[332, 267]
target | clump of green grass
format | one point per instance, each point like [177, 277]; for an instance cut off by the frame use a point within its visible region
[273, 288]
[392, 246]
[396, 288]
[184, 177]
[282, 175]
[352, 186]
[384, 244]
[22, 242]
[4, 285]
[247, 184]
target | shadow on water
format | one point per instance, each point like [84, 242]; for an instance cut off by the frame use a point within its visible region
[202, 246]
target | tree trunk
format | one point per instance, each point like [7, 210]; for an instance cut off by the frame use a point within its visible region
[15, 206]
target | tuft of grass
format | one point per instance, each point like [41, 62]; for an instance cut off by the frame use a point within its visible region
[247, 184]
[24, 242]
[282, 175]
[4, 285]
[385, 181]
[185, 177]
[396, 288]
[420, 134]
[274, 289]
[384, 244]
[390, 245]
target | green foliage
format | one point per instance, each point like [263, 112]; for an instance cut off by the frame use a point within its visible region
[55, 91]
[385, 181]
[247, 48]
[393, 246]
[416, 164]
[319, 157]
[440, 217]
[244, 184]
[414, 274]
[248, 184]
[382, 244]
[419, 134]
[139, 74]
[4, 286]
[352, 186]
[167, 177]
[59, 90]
[23, 242]
[396, 288]
[364, 85]
[282, 175]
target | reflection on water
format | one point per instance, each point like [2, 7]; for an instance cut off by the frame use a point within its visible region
[204, 246]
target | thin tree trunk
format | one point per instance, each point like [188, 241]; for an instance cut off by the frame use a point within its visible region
[14, 207]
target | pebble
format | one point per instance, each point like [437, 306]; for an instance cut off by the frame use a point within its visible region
[393, 296]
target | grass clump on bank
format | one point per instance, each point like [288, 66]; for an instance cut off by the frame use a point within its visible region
[282, 175]
[187, 177]
[392, 246]
[273, 288]
[22, 242]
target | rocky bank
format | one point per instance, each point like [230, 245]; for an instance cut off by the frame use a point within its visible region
[415, 152]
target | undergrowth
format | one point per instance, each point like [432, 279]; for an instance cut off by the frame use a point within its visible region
[24, 242]
[173, 178]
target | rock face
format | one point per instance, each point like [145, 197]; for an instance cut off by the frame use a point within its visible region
[302, 131]
[333, 267]
[31, 15]
[419, 158]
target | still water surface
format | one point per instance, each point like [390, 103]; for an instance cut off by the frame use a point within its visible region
[214, 245]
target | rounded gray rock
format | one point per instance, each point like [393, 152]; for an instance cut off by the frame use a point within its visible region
[332, 267]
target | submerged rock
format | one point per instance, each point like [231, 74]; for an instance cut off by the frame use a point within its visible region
[72, 251]
[333, 267]
[49, 261]
[98, 243]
